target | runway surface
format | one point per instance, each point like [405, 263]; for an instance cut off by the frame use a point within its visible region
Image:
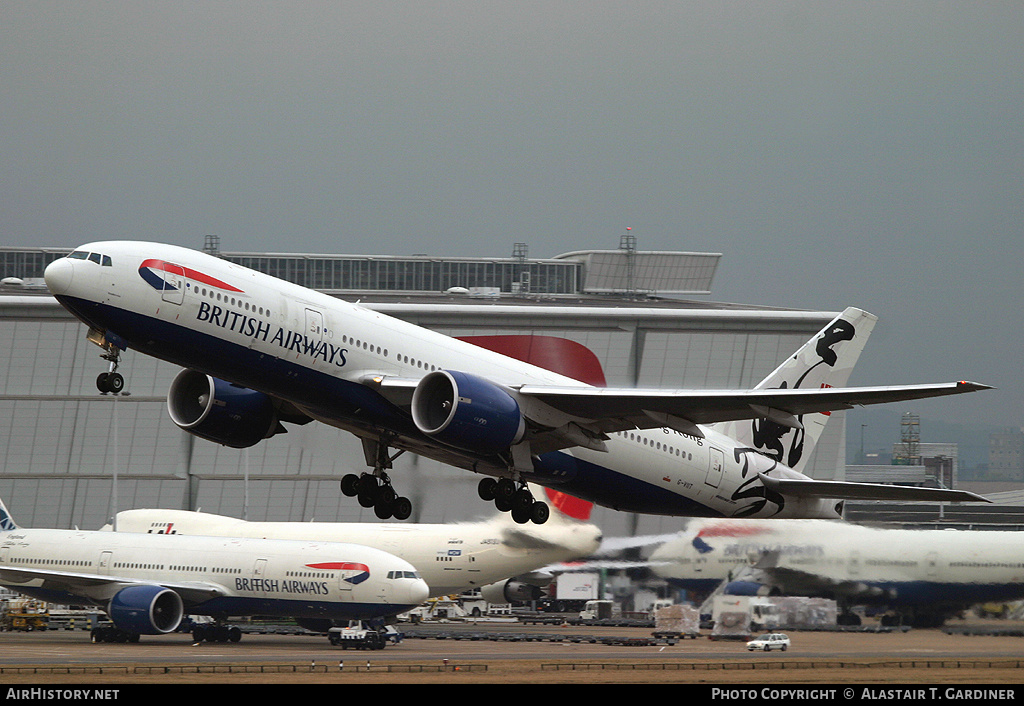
[513, 653]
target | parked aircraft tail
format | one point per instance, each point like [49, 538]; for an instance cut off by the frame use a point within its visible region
[6, 521]
[826, 360]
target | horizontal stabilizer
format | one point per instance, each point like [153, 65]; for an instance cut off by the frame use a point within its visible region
[867, 491]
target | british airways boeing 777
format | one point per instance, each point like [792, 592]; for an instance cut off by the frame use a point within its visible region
[923, 576]
[259, 352]
[147, 583]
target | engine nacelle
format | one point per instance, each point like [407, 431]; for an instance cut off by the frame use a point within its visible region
[747, 588]
[220, 411]
[146, 610]
[467, 412]
[509, 591]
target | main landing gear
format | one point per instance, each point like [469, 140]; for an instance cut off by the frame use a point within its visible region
[216, 632]
[373, 490]
[517, 499]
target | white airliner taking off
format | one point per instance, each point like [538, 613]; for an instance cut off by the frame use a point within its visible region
[924, 576]
[258, 351]
[496, 555]
[147, 583]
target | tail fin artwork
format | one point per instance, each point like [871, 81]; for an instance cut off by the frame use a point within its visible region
[7, 522]
[559, 355]
[824, 361]
[568, 506]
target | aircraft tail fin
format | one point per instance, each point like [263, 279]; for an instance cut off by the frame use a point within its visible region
[6, 521]
[826, 360]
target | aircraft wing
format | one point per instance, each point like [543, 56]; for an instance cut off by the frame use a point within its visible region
[591, 412]
[99, 586]
[651, 407]
[799, 582]
[794, 487]
[710, 406]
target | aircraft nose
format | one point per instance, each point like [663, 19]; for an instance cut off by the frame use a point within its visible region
[58, 275]
[418, 592]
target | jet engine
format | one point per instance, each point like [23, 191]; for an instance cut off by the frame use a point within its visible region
[467, 412]
[510, 590]
[146, 610]
[220, 411]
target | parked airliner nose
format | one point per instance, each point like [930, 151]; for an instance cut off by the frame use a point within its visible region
[418, 592]
[58, 276]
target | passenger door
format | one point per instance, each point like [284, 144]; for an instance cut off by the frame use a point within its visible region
[174, 284]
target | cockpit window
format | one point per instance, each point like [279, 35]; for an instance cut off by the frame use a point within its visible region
[99, 259]
[403, 575]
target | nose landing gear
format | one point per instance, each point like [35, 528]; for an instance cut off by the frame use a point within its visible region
[111, 381]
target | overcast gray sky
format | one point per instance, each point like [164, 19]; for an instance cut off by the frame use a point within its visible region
[841, 153]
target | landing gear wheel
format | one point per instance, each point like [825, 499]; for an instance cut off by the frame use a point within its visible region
[539, 512]
[522, 500]
[402, 508]
[350, 485]
[368, 490]
[520, 514]
[110, 382]
[115, 382]
[383, 509]
[487, 489]
[506, 488]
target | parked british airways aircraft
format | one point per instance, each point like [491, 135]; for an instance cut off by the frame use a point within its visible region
[495, 555]
[258, 351]
[147, 583]
[923, 576]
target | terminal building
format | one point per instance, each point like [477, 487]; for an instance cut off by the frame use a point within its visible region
[73, 456]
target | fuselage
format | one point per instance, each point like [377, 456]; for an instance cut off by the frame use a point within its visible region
[838, 559]
[216, 576]
[450, 558]
[316, 352]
